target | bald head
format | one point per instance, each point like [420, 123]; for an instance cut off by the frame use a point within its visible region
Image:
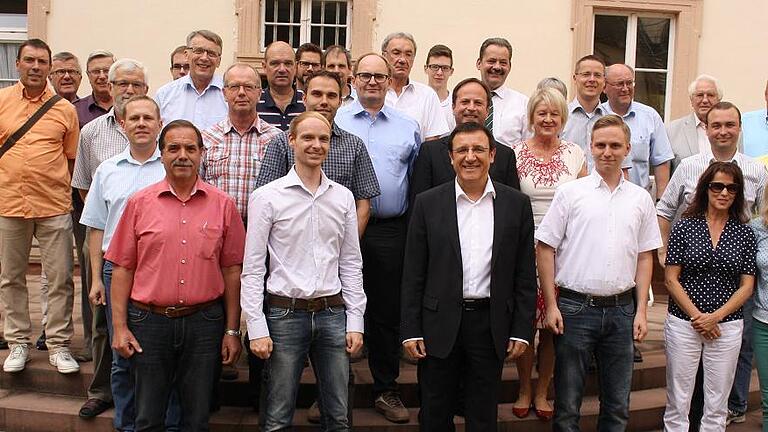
[279, 65]
[620, 87]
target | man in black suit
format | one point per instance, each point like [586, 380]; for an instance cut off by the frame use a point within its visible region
[469, 285]
[471, 99]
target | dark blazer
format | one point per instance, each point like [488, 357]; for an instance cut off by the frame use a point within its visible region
[432, 290]
[433, 167]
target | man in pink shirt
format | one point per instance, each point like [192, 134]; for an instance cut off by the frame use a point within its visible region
[177, 255]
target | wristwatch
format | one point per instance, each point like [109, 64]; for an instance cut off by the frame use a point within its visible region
[235, 333]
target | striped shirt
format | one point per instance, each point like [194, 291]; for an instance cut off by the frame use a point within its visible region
[270, 113]
[100, 139]
[680, 190]
[232, 161]
[348, 163]
[113, 183]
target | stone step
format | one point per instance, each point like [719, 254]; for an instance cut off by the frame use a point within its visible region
[40, 412]
[40, 377]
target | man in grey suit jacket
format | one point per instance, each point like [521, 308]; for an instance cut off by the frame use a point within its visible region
[687, 135]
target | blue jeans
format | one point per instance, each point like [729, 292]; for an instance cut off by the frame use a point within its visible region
[606, 331]
[737, 401]
[295, 334]
[122, 382]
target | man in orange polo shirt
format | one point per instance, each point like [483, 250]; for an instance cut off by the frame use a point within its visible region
[35, 200]
[177, 254]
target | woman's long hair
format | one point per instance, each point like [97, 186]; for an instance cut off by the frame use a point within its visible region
[700, 201]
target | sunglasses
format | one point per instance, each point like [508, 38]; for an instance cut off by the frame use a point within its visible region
[717, 187]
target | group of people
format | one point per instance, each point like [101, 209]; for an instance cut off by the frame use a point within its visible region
[346, 205]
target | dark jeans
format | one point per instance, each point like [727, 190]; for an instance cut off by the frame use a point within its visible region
[122, 382]
[184, 353]
[295, 334]
[606, 332]
[383, 248]
[737, 401]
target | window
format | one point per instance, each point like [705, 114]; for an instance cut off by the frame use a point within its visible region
[643, 42]
[13, 31]
[322, 22]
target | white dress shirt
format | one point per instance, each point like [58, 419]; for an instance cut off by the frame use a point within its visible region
[475, 220]
[421, 103]
[510, 116]
[701, 137]
[313, 248]
[598, 234]
[447, 108]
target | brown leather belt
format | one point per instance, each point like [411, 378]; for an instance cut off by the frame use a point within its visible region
[309, 305]
[174, 311]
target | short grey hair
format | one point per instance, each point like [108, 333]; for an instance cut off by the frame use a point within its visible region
[206, 34]
[552, 82]
[398, 35]
[128, 65]
[242, 65]
[705, 77]
[99, 54]
[64, 56]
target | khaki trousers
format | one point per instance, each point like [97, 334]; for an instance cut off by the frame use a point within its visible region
[54, 234]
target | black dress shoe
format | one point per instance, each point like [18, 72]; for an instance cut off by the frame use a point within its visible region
[93, 407]
[40, 344]
[638, 356]
[3, 344]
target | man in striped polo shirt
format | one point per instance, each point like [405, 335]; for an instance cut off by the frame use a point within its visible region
[280, 102]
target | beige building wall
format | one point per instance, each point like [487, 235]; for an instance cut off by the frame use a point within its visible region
[146, 30]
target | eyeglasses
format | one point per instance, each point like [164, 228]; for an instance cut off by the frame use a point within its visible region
[178, 66]
[717, 187]
[63, 72]
[201, 51]
[249, 88]
[622, 84]
[97, 72]
[702, 95]
[588, 75]
[437, 67]
[123, 85]
[306, 64]
[366, 77]
[463, 151]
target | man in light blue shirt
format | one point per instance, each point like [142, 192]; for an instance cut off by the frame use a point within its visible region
[650, 144]
[585, 108]
[116, 179]
[755, 132]
[392, 139]
[197, 97]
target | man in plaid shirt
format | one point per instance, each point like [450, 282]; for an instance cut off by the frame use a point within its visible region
[235, 146]
[348, 162]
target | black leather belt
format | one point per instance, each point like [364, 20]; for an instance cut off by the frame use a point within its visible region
[378, 221]
[475, 304]
[622, 299]
[310, 305]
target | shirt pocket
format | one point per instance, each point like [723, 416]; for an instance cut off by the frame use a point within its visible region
[209, 237]
[398, 157]
[216, 161]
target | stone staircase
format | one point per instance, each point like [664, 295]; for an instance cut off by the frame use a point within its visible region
[40, 399]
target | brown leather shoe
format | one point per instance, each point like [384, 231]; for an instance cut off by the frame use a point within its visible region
[390, 405]
[93, 407]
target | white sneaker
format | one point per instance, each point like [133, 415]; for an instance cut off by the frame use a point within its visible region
[17, 359]
[63, 361]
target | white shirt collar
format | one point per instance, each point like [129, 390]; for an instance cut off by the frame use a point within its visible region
[489, 189]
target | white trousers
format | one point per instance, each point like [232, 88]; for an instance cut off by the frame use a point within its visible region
[685, 347]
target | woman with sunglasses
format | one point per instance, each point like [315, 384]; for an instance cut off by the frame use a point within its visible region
[709, 273]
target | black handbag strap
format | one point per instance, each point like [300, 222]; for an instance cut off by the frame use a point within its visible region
[28, 124]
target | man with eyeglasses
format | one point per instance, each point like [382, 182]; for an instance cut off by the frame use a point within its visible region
[650, 145]
[179, 62]
[308, 60]
[197, 97]
[280, 102]
[415, 99]
[65, 75]
[338, 59]
[99, 101]
[585, 108]
[723, 128]
[235, 146]
[439, 68]
[100, 140]
[688, 134]
[392, 139]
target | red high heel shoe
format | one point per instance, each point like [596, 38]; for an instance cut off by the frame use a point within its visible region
[521, 412]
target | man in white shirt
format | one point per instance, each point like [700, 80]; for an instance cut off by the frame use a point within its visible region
[415, 99]
[604, 231]
[314, 292]
[469, 285]
[439, 68]
[507, 116]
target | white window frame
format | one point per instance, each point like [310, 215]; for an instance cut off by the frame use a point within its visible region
[630, 54]
[10, 33]
[305, 22]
